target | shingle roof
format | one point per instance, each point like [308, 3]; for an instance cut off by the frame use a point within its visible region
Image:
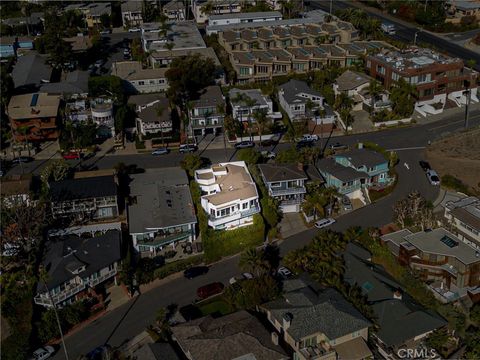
[84, 188]
[150, 113]
[359, 157]
[234, 336]
[31, 69]
[342, 173]
[311, 312]
[76, 82]
[279, 172]
[210, 96]
[292, 88]
[71, 251]
[350, 80]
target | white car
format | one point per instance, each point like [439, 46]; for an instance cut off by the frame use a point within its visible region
[134, 29]
[284, 272]
[269, 155]
[324, 223]
[433, 178]
[247, 276]
[43, 353]
[308, 137]
[161, 151]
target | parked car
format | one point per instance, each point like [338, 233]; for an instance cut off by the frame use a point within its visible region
[22, 159]
[244, 145]
[424, 165]
[206, 291]
[106, 31]
[43, 353]
[269, 155]
[432, 177]
[308, 137]
[247, 276]
[72, 156]
[134, 29]
[346, 203]
[99, 63]
[324, 223]
[304, 144]
[161, 151]
[195, 271]
[284, 272]
[188, 148]
[338, 146]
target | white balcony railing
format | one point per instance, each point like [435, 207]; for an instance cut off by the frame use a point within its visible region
[102, 278]
[288, 191]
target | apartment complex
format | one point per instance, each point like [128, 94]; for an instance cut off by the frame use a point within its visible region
[229, 195]
[34, 117]
[464, 216]
[450, 266]
[207, 112]
[438, 78]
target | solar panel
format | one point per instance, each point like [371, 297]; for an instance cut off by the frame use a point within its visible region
[449, 241]
[34, 100]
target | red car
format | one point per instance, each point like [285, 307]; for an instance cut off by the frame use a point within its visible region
[72, 156]
[210, 290]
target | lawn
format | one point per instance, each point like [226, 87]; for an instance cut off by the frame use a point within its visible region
[215, 306]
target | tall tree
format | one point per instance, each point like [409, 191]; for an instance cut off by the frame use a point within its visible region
[262, 121]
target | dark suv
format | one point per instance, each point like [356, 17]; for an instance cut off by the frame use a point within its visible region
[195, 271]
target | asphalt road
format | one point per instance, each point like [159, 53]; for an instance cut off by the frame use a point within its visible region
[407, 33]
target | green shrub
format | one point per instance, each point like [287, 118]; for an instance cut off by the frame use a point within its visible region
[451, 182]
[180, 265]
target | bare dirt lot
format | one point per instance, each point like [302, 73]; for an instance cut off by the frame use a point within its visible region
[458, 155]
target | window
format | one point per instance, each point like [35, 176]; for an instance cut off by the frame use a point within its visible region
[395, 76]
[244, 206]
[381, 69]
[299, 67]
[152, 82]
[141, 83]
[161, 81]
[276, 184]
[244, 71]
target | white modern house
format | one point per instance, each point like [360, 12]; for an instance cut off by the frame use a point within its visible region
[227, 19]
[229, 195]
[245, 102]
[296, 96]
[102, 113]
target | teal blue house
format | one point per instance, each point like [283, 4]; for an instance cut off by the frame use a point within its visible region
[351, 171]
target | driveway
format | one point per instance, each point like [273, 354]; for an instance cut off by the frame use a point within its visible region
[362, 122]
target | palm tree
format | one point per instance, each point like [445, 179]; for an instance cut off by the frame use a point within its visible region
[159, 115]
[262, 120]
[252, 260]
[250, 103]
[347, 118]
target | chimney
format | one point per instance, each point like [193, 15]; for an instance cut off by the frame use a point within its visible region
[287, 320]
[397, 294]
[274, 338]
[360, 145]
[300, 166]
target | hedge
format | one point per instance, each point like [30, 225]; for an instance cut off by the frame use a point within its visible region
[180, 265]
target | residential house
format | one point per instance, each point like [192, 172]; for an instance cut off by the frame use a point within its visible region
[140, 80]
[12, 45]
[218, 7]
[249, 17]
[300, 102]
[464, 215]
[437, 78]
[352, 172]
[462, 8]
[74, 85]
[156, 351]
[183, 35]
[235, 336]
[207, 112]
[242, 110]
[229, 195]
[102, 114]
[356, 85]
[153, 115]
[132, 13]
[16, 190]
[286, 184]
[76, 266]
[318, 323]
[92, 12]
[85, 199]
[175, 10]
[79, 44]
[161, 210]
[402, 322]
[451, 266]
[30, 72]
[34, 117]
[32, 23]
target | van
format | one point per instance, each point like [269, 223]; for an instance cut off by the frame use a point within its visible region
[388, 28]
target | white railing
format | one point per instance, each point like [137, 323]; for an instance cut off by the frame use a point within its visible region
[102, 278]
[45, 300]
[288, 191]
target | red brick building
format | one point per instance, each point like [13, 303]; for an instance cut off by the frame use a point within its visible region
[34, 116]
[436, 76]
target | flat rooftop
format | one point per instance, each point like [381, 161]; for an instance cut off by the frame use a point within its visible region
[183, 35]
[32, 106]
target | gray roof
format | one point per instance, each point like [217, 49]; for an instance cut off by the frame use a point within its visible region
[83, 188]
[342, 173]
[76, 82]
[250, 15]
[235, 336]
[312, 312]
[31, 69]
[400, 320]
[174, 5]
[210, 96]
[156, 351]
[359, 157]
[183, 35]
[350, 80]
[393, 240]
[143, 99]
[293, 87]
[254, 94]
[131, 6]
[72, 251]
[163, 200]
[430, 242]
[150, 114]
[279, 172]
[466, 210]
[465, 4]
[35, 18]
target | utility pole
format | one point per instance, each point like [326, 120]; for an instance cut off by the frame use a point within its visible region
[468, 93]
[415, 37]
[331, 5]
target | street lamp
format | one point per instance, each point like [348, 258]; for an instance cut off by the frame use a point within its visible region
[415, 37]
[468, 94]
